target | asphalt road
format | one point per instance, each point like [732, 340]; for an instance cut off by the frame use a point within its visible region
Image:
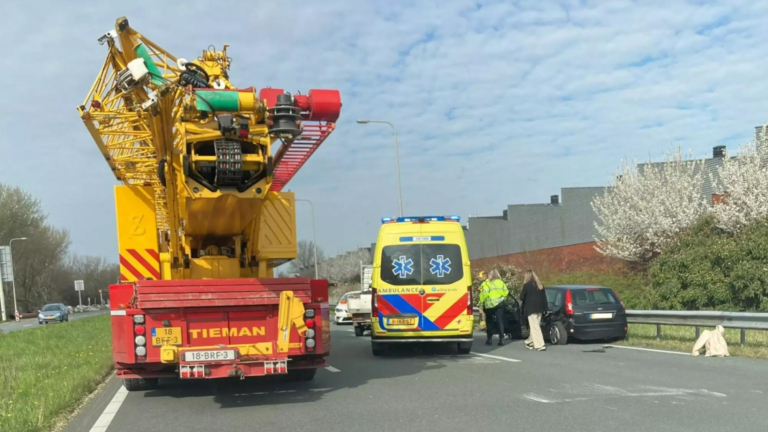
[25, 324]
[580, 387]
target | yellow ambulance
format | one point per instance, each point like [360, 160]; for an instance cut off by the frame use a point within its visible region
[422, 284]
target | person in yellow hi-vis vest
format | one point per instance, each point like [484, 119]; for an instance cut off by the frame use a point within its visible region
[493, 291]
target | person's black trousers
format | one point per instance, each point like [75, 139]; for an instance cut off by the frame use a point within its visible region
[491, 315]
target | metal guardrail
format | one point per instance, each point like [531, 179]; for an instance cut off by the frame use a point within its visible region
[737, 320]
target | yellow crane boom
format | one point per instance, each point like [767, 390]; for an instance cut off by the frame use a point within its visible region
[201, 187]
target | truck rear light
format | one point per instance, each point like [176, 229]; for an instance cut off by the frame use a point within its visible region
[309, 313]
[282, 368]
[374, 303]
[140, 340]
[310, 343]
[310, 333]
[185, 371]
[198, 372]
[309, 323]
[138, 319]
[141, 351]
[139, 329]
[568, 303]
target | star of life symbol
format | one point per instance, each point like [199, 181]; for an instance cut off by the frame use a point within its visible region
[402, 266]
[440, 266]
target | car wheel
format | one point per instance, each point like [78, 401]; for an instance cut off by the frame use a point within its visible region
[135, 384]
[359, 330]
[465, 347]
[557, 334]
[378, 349]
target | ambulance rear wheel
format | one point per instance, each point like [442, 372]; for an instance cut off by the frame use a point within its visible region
[465, 347]
[378, 349]
[135, 384]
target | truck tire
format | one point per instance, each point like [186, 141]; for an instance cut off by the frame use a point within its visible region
[464, 347]
[137, 384]
[557, 334]
[378, 349]
[359, 330]
[301, 374]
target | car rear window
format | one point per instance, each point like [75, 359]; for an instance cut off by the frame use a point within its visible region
[421, 264]
[594, 296]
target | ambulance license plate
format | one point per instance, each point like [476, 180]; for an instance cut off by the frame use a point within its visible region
[218, 355]
[602, 315]
[169, 335]
[401, 321]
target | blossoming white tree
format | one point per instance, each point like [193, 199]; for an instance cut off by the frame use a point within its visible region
[642, 212]
[743, 181]
[345, 267]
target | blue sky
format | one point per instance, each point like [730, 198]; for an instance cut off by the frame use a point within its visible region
[495, 102]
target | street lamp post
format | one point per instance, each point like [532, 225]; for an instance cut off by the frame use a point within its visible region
[397, 159]
[13, 279]
[314, 233]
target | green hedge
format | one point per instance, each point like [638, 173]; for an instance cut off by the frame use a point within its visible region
[709, 269]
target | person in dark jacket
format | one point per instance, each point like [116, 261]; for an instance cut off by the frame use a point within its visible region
[534, 302]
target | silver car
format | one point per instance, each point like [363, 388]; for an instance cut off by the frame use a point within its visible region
[53, 312]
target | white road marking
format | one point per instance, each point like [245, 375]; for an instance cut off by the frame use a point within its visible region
[498, 358]
[596, 391]
[109, 412]
[332, 369]
[351, 330]
[27, 325]
[648, 349]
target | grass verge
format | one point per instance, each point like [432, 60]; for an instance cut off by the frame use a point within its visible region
[46, 371]
[682, 339]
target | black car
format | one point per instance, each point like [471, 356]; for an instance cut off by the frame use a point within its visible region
[583, 312]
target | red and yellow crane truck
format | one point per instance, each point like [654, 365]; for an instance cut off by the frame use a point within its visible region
[202, 220]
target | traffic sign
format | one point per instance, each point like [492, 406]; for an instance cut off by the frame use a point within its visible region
[79, 286]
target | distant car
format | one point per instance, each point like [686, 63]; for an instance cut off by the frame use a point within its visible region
[342, 311]
[53, 312]
[583, 312]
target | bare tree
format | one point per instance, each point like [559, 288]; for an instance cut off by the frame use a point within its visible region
[304, 264]
[743, 182]
[641, 213]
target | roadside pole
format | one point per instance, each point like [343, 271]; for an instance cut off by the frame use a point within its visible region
[101, 296]
[2, 293]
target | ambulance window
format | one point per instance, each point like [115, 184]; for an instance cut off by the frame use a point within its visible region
[401, 264]
[441, 264]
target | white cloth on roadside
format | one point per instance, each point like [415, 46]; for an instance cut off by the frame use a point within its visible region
[714, 343]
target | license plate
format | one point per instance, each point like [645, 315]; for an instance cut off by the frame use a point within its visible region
[49, 318]
[166, 335]
[218, 355]
[401, 321]
[602, 315]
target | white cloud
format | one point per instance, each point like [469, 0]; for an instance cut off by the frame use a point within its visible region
[497, 104]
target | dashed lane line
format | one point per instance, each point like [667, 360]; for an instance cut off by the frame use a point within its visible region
[511, 360]
[332, 369]
[647, 349]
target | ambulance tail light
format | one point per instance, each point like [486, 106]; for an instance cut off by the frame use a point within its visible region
[568, 303]
[470, 305]
[374, 303]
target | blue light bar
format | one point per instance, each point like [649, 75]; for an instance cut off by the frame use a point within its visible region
[422, 218]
